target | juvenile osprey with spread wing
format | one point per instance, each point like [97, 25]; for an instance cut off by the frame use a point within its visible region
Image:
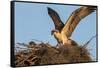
[63, 32]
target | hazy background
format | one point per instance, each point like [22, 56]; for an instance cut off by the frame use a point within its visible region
[33, 22]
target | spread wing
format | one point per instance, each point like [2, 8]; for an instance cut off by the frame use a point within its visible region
[75, 18]
[56, 19]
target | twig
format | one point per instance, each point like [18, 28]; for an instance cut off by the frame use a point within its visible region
[22, 44]
[37, 40]
[85, 45]
[23, 48]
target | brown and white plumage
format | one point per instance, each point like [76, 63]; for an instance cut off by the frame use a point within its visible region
[56, 19]
[63, 32]
[75, 18]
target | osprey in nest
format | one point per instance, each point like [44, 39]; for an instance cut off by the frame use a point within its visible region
[63, 32]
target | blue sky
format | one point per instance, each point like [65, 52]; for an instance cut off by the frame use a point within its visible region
[33, 22]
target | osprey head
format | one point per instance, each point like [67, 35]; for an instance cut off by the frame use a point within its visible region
[54, 31]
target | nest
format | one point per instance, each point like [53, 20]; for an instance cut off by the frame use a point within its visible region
[44, 54]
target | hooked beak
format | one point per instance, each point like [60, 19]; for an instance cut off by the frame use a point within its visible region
[52, 33]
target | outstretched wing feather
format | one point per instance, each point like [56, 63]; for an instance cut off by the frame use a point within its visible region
[75, 18]
[56, 19]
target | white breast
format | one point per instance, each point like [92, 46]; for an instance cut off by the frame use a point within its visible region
[58, 36]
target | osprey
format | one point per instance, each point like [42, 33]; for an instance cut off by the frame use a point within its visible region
[63, 32]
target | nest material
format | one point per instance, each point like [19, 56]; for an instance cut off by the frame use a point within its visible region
[44, 54]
